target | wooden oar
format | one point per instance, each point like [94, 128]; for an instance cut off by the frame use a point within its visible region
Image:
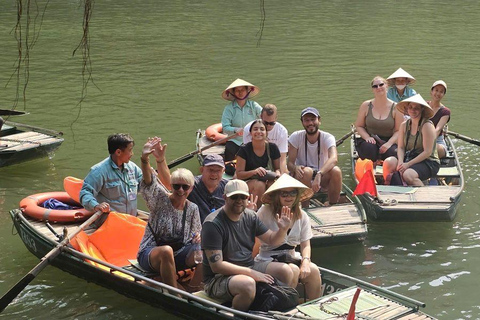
[7, 112]
[190, 155]
[462, 137]
[342, 139]
[38, 129]
[20, 285]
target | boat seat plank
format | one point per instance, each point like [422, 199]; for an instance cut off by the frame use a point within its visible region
[369, 305]
[448, 172]
[33, 144]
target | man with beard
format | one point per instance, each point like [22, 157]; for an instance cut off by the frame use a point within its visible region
[312, 157]
[228, 237]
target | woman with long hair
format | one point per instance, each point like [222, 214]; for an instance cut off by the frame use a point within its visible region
[377, 124]
[286, 194]
[417, 158]
[258, 162]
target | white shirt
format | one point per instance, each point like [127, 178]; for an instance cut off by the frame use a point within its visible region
[278, 135]
[300, 231]
[315, 159]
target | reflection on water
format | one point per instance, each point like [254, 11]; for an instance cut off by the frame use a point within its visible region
[161, 67]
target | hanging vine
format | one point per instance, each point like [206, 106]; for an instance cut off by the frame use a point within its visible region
[25, 43]
[262, 22]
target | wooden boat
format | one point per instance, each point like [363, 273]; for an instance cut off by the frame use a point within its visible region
[342, 223]
[437, 201]
[373, 302]
[20, 142]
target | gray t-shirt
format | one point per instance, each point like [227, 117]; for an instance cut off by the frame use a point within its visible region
[235, 238]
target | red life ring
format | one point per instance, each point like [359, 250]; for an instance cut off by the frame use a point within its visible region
[214, 132]
[32, 206]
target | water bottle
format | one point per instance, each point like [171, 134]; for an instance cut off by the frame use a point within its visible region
[197, 253]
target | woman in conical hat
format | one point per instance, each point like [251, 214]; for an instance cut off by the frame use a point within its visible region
[399, 82]
[238, 112]
[417, 152]
[441, 115]
[287, 193]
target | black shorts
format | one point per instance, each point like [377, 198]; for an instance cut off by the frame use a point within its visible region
[426, 169]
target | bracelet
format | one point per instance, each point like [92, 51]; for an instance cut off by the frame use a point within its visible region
[306, 258]
[144, 161]
[160, 161]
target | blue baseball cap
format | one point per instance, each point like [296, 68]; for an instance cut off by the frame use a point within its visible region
[213, 160]
[310, 110]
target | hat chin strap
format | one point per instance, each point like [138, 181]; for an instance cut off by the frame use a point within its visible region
[237, 98]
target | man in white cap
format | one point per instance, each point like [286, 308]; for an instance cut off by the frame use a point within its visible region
[238, 112]
[312, 157]
[276, 133]
[228, 237]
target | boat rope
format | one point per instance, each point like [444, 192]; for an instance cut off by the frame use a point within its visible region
[20, 141]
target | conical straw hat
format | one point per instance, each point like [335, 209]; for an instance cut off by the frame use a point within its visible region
[400, 73]
[286, 181]
[427, 111]
[227, 94]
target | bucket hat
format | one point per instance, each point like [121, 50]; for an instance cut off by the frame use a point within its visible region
[441, 83]
[427, 111]
[400, 73]
[286, 181]
[228, 95]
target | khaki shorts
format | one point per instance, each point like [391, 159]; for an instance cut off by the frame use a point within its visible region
[217, 287]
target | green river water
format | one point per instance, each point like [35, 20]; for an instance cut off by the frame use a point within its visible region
[159, 69]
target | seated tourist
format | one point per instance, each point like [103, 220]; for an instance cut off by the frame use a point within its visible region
[286, 194]
[276, 133]
[207, 192]
[417, 152]
[312, 157]
[441, 115]
[258, 162]
[173, 225]
[377, 124]
[228, 237]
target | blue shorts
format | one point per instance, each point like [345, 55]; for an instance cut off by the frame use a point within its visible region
[181, 255]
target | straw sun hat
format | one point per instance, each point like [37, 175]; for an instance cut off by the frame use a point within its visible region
[400, 73]
[227, 94]
[284, 182]
[427, 110]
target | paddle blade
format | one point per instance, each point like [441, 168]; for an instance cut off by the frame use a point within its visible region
[367, 184]
[15, 291]
[6, 112]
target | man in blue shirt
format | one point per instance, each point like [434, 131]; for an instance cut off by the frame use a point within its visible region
[113, 183]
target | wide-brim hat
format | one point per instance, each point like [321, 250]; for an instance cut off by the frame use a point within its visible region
[286, 181]
[400, 73]
[427, 111]
[440, 83]
[227, 93]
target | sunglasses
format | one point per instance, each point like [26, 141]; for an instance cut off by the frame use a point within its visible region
[176, 186]
[235, 197]
[375, 86]
[285, 194]
[266, 123]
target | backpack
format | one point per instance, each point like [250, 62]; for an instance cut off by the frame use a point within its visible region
[274, 297]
